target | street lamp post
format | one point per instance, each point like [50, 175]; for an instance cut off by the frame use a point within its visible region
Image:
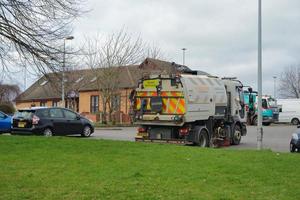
[274, 77]
[63, 72]
[259, 82]
[183, 55]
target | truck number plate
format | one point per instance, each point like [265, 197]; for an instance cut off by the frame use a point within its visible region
[21, 124]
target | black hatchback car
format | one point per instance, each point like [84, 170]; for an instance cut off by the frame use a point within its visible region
[50, 121]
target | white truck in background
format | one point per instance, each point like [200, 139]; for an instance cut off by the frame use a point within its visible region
[289, 111]
[196, 109]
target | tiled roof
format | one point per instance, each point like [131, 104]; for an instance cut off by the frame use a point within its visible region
[49, 86]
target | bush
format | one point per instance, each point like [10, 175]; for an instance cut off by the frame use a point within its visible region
[7, 108]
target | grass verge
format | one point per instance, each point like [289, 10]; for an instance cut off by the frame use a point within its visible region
[73, 168]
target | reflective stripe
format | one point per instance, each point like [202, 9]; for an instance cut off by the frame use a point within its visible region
[138, 103]
[173, 105]
[163, 94]
[172, 101]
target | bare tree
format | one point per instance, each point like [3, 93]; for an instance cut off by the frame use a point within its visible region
[290, 82]
[8, 92]
[153, 51]
[107, 56]
[32, 31]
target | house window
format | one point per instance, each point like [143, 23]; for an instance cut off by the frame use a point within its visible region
[94, 104]
[42, 103]
[115, 102]
[54, 103]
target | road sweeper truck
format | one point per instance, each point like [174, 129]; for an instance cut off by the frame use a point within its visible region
[189, 108]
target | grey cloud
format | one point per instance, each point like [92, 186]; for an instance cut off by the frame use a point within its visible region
[221, 36]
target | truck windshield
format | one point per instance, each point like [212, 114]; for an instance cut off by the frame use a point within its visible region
[272, 102]
[265, 104]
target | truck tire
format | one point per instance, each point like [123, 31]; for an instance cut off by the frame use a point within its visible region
[295, 121]
[266, 123]
[202, 139]
[237, 135]
[254, 121]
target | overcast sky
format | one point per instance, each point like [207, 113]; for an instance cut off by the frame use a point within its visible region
[220, 35]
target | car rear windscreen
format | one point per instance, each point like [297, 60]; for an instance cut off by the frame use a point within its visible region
[24, 114]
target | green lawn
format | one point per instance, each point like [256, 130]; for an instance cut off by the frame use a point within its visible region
[75, 168]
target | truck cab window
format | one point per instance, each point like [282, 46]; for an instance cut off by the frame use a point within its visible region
[264, 104]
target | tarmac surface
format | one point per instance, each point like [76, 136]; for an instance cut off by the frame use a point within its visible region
[276, 137]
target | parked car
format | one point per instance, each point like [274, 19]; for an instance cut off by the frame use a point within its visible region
[50, 121]
[5, 123]
[289, 110]
[295, 141]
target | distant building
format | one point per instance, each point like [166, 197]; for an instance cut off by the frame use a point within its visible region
[83, 88]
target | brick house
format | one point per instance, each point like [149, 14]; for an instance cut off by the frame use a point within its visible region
[83, 91]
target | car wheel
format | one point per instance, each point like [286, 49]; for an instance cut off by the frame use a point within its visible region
[48, 132]
[295, 121]
[86, 131]
[292, 148]
[237, 135]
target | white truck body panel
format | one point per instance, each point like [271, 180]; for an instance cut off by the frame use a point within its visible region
[290, 109]
[202, 95]
[205, 97]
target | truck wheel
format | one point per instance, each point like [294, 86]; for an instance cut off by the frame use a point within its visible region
[254, 121]
[295, 121]
[203, 139]
[237, 135]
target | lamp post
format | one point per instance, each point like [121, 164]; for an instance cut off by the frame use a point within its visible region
[274, 77]
[63, 72]
[183, 55]
[259, 82]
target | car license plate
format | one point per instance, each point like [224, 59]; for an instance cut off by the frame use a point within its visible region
[21, 124]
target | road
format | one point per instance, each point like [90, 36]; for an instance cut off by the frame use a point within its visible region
[276, 137]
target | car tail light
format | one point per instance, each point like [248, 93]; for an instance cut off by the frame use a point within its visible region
[142, 130]
[184, 131]
[35, 119]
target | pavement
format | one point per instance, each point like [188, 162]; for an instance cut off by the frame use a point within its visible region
[276, 137]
